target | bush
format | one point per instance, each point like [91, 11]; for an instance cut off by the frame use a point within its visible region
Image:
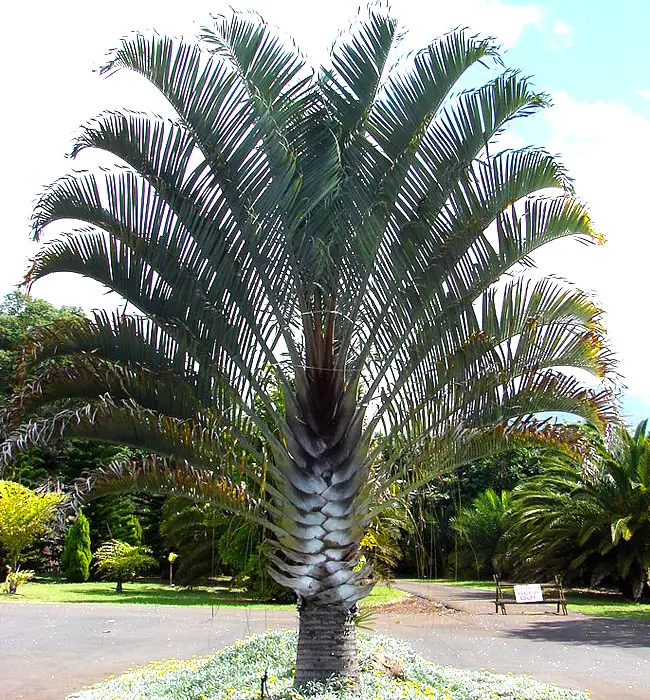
[16, 578]
[591, 521]
[246, 551]
[25, 517]
[122, 561]
[75, 561]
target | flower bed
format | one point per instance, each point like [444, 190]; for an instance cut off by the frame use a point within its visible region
[234, 674]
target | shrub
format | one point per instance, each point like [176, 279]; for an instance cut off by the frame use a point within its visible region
[16, 578]
[591, 521]
[75, 561]
[24, 517]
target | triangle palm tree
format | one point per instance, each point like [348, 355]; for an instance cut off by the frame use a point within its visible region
[342, 235]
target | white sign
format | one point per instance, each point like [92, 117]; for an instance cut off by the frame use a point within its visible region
[530, 593]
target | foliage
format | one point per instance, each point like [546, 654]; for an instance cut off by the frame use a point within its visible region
[431, 549]
[479, 529]
[235, 672]
[246, 549]
[193, 530]
[19, 315]
[16, 578]
[114, 518]
[357, 232]
[119, 560]
[591, 518]
[380, 545]
[24, 516]
[75, 561]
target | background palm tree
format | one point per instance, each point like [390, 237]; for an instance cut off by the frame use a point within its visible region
[478, 530]
[593, 519]
[344, 231]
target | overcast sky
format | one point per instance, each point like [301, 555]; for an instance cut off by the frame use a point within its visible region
[589, 55]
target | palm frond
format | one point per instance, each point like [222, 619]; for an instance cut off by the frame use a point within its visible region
[168, 476]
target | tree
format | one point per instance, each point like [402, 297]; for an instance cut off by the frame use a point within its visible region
[479, 530]
[24, 516]
[430, 549]
[75, 561]
[589, 518]
[346, 231]
[120, 561]
[19, 314]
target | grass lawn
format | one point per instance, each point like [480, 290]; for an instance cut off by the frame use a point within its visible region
[597, 603]
[155, 593]
[606, 605]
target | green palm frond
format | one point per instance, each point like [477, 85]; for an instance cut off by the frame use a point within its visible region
[423, 458]
[88, 377]
[124, 422]
[593, 520]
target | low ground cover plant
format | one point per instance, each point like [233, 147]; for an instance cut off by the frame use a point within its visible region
[235, 672]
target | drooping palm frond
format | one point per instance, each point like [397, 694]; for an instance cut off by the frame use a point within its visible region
[593, 520]
[346, 232]
[170, 477]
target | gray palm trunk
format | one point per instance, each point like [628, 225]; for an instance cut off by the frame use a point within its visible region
[318, 259]
[323, 501]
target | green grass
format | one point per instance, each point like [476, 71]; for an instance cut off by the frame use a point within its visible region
[484, 585]
[383, 594]
[155, 593]
[607, 605]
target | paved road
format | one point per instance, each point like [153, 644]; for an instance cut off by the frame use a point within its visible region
[47, 651]
[608, 656]
[50, 650]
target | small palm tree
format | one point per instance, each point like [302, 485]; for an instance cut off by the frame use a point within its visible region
[120, 560]
[345, 231]
[593, 519]
[479, 529]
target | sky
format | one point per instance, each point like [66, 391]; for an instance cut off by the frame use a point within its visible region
[590, 56]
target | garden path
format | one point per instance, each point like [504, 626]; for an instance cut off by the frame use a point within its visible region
[49, 650]
[608, 656]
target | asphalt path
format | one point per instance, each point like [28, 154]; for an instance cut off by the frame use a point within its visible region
[610, 657]
[50, 650]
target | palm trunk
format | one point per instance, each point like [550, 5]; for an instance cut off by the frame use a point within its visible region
[327, 643]
[323, 502]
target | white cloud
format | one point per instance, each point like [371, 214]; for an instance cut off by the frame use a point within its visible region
[561, 28]
[606, 147]
[644, 93]
[561, 36]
